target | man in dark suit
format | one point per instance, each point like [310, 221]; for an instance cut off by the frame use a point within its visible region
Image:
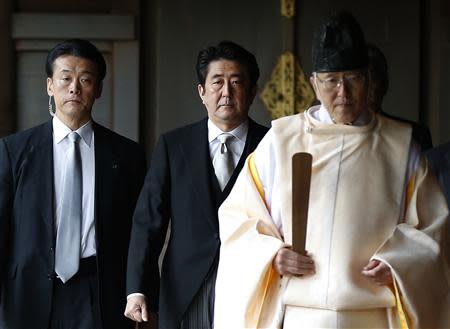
[439, 161]
[379, 84]
[68, 184]
[188, 179]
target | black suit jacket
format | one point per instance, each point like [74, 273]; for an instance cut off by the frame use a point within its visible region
[439, 160]
[180, 187]
[27, 235]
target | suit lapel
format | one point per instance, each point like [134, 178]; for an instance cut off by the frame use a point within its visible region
[250, 144]
[195, 150]
[106, 169]
[40, 160]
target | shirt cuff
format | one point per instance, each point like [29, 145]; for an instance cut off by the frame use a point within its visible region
[135, 294]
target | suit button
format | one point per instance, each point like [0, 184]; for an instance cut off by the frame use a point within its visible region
[50, 277]
[51, 250]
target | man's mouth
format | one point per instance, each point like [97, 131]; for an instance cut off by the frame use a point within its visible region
[227, 104]
[72, 101]
[344, 104]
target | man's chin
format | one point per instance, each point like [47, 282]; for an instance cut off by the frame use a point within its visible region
[74, 111]
[343, 117]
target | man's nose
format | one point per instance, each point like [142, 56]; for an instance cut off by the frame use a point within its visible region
[226, 90]
[75, 87]
[343, 88]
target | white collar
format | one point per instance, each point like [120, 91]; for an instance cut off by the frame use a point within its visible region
[60, 131]
[240, 132]
[323, 116]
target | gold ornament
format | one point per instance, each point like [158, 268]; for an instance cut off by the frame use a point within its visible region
[288, 91]
[288, 8]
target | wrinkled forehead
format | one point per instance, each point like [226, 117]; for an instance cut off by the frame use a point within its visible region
[75, 64]
[341, 73]
[225, 67]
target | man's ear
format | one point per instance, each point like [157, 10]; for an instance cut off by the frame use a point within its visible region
[50, 86]
[253, 92]
[201, 92]
[313, 83]
[99, 90]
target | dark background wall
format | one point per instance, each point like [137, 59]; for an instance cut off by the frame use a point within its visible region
[183, 28]
[414, 36]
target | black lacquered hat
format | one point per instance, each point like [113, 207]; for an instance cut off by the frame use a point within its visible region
[339, 44]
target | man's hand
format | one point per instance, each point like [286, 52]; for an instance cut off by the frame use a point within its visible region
[136, 309]
[378, 272]
[288, 262]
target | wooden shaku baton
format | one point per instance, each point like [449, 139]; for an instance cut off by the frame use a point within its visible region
[301, 182]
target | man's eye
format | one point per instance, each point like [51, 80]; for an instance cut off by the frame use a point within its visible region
[357, 77]
[331, 80]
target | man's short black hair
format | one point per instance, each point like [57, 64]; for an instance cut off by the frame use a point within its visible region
[78, 48]
[230, 51]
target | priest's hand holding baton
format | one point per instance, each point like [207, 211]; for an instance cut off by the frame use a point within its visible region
[296, 260]
[289, 262]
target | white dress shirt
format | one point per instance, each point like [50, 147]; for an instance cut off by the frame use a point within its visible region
[235, 145]
[87, 151]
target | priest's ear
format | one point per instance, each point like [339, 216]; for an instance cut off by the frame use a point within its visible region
[313, 82]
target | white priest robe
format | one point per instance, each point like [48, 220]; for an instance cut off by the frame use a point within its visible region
[364, 204]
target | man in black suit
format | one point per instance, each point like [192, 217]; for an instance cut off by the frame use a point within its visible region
[439, 161]
[185, 186]
[379, 84]
[71, 178]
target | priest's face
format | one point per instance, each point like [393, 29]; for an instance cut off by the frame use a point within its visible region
[343, 94]
[227, 93]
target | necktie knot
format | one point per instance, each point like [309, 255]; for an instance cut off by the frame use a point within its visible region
[74, 137]
[223, 139]
[223, 160]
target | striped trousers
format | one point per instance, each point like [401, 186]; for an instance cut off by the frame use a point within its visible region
[200, 313]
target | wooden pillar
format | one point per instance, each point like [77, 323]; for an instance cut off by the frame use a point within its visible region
[7, 81]
[435, 64]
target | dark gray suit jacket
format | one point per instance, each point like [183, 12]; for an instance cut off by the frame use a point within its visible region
[439, 161]
[27, 236]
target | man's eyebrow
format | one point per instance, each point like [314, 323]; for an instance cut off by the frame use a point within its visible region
[82, 72]
[234, 75]
[217, 75]
[329, 75]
